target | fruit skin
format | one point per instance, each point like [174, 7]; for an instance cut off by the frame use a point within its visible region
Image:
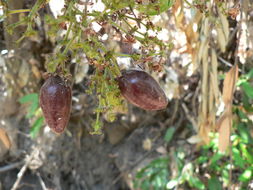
[55, 102]
[140, 89]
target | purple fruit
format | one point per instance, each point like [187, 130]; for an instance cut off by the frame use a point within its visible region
[55, 102]
[140, 89]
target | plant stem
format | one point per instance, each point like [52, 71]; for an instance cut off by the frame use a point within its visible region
[117, 26]
[132, 27]
[10, 12]
[68, 31]
[135, 19]
[35, 9]
[188, 3]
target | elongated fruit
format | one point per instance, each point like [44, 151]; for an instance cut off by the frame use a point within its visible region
[140, 89]
[55, 102]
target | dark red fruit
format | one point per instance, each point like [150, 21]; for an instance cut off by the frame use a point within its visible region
[55, 102]
[142, 90]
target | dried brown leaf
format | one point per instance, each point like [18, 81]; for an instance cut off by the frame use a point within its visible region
[233, 12]
[229, 85]
[224, 125]
[5, 138]
[204, 130]
[207, 125]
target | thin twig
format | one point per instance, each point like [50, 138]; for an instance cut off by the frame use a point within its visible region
[189, 117]
[10, 166]
[22, 171]
[170, 120]
[227, 63]
[43, 185]
[195, 99]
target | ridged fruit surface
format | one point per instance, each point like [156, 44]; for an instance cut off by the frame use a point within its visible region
[142, 90]
[55, 102]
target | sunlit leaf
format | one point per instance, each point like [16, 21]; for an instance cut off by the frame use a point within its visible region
[237, 157]
[225, 175]
[33, 100]
[172, 183]
[246, 175]
[245, 153]
[29, 98]
[36, 127]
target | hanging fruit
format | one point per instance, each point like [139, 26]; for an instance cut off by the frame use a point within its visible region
[55, 102]
[140, 89]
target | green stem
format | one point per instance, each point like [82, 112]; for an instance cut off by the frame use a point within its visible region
[115, 64]
[188, 3]
[117, 26]
[135, 19]
[132, 27]
[125, 31]
[97, 125]
[35, 8]
[68, 31]
[67, 46]
[10, 12]
[14, 25]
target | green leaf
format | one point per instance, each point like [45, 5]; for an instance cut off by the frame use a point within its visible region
[29, 98]
[36, 127]
[244, 133]
[195, 182]
[238, 158]
[33, 99]
[169, 134]
[246, 175]
[242, 115]
[215, 158]
[154, 175]
[118, 4]
[249, 74]
[202, 159]
[214, 183]
[245, 153]
[225, 174]
[248, 89]
[172, 183]
[155, 8]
